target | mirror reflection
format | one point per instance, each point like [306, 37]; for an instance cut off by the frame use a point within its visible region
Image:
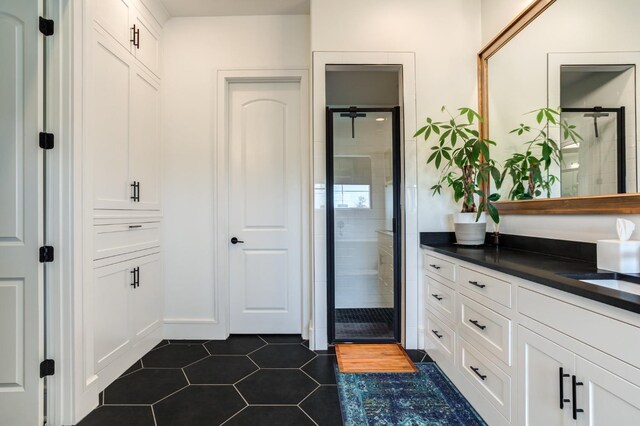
[579, 58]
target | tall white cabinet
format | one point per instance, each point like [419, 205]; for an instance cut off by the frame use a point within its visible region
[122, 290]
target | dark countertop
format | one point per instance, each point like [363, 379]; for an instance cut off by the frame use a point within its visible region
[543, 269]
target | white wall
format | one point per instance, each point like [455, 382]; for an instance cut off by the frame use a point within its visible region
[496, 14]
[194, 49]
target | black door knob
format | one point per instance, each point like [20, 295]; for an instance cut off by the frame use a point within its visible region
[234, 240]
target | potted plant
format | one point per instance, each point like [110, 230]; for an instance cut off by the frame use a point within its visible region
[530, 171]
[464, 161]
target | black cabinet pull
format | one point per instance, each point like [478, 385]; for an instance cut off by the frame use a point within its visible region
[438, 298]
[135, 226]
[133, 278]
[439, 336]
[574, 385]
[561, 376]
[475, 322]
[138, 276]
[476, 284]
[435, 266]
[136, 191]
[477, 371]
[135, 36]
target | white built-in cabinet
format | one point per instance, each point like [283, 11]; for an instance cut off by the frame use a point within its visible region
[123, 296]
[525, 354]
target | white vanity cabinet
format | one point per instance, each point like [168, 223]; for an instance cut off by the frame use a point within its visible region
[515, 348]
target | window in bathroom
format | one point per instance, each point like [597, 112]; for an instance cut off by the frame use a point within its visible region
[352, 196]
[352, 182]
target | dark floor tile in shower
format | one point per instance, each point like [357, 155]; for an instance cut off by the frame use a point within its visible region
[323, 406]
[119, 415]
[235, 345]
[260, 415]
[199, 405]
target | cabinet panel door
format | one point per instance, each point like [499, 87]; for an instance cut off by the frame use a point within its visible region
[113, 17]
[108, 123]
[147, 296]
[145, 140]
[111, 312]
[605, 398]
[540, 361]
[148, 51]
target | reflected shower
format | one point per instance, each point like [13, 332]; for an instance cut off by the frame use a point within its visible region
[597, 113]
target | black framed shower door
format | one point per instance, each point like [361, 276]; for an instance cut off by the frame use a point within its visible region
[396, 161]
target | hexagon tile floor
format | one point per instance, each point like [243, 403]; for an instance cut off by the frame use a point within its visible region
[244, 380]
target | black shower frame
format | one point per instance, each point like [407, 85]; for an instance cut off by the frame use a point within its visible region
[396, 149]
[621, 141]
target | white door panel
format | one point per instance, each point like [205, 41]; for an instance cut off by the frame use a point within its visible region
[145, 140]
[21, 277]
[147, 296]
[265, 207]
[149, 51]
[108, 123]
[113, 16]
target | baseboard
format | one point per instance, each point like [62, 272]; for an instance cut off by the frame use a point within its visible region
[194, 329]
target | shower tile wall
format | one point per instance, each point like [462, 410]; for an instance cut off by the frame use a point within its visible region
[356, 246]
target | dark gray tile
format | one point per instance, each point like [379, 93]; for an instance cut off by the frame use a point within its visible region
[119, 415]
[322, 369]
[264, 416]
[161, 344]
[225, 369]
[135, 367]
[276, 387]
[324, 406]
[282, 338]
[235, 345]
[305, 343]
[331, 350]
[174, 356]
[199, 405]
[416, 355]
[144, 386]
[282, 356]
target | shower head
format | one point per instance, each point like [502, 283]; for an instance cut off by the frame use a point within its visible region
[596, 114]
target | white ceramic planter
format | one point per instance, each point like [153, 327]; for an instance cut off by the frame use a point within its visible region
[468, 231]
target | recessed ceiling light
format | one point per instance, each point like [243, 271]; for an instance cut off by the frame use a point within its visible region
[380, 119]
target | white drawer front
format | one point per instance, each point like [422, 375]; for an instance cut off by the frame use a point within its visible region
[492, 382]
[440, 267]
[485, 285]
[441, 337]
[441, 298]
[112, 240]
[589, 327]
[491, 330]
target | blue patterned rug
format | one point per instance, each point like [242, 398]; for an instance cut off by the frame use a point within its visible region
[405, 399]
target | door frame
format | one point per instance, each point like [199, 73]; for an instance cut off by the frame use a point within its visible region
[398, 221]
[222, 306]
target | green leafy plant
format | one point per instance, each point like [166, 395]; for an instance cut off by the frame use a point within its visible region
[464, 161]
[530, 171]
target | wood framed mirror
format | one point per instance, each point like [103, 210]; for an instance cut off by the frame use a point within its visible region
[517, 62]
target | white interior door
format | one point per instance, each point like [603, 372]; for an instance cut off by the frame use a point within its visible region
[265, 211]
[21, 274]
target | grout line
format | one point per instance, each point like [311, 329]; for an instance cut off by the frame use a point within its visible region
[153, 413]
[194, 362]
[250, 374]
[171, 394]
[304, 372]
[254, 363]
[227, 421]
[310, 393]
[256, 350]
[206, 349]
[260, 337]
[305, 364]
[185, 375]
[241, 395]
[307, 414]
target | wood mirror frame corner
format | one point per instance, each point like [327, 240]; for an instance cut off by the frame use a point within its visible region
[596, 204]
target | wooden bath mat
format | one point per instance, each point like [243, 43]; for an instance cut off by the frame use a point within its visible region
[373, 358]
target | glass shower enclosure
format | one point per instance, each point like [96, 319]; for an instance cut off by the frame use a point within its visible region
[363, 224]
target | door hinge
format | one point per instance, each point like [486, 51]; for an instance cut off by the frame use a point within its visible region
[47, 368]
[46, 140]
[46, 26]
[46, 254]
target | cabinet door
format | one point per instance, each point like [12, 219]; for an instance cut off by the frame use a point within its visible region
[605, 398]
[539, 383]
[148, 49]
[147, 296]
[111, 312]
[145, 140]
[113, 17]
[108, 122]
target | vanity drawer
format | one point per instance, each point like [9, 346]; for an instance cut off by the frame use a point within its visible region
[441, 298]
[113, 240]
[488, 328]
[441, 337]
[485, 285]
[440, 267]
[490, 380]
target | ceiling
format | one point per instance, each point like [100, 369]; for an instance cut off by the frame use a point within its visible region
[236, 7]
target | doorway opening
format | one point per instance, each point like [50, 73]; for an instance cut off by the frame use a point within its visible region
[363, 222]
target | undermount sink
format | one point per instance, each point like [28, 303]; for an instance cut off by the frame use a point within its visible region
[611, 280]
